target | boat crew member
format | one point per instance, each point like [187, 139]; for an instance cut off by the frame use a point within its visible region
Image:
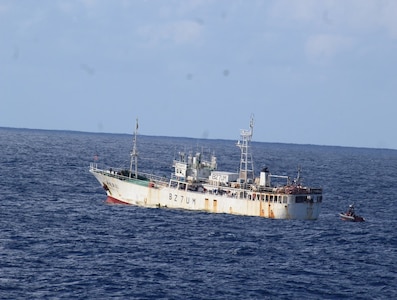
[350, 212]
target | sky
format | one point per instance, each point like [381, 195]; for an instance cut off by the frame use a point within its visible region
[319, 72]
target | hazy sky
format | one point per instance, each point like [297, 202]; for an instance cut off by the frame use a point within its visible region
[311, 71]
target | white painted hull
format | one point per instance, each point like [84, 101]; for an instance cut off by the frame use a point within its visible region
[160, 194]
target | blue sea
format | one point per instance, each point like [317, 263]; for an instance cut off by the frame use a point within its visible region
[60, 240]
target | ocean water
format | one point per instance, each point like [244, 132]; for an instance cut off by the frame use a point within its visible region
[60, 240]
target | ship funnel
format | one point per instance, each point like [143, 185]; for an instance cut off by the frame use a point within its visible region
[264, 179]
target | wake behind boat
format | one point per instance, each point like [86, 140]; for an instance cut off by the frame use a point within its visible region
[196, 184]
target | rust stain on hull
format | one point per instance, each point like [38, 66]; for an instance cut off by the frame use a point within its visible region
[206, 204]
[270, 212]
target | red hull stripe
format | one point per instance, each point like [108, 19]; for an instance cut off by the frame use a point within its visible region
[111, 200]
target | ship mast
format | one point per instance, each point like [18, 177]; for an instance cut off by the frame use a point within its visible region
[246, 162]
[134, 153]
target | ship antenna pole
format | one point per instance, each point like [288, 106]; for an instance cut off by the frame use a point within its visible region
[134, 153]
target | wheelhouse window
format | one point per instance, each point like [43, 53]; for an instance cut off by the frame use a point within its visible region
[300, 199]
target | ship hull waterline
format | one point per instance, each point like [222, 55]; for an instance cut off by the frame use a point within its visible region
[160, 194]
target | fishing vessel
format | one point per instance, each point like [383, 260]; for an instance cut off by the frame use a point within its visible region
[197, 184]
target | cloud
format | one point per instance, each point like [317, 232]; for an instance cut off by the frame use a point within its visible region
[3, 8]
[90, 8]
[388, 17]
[354, 16]
[180, 32]
[326, 29]
[90, 3]
[321, 48]
[302, 11]
[66, 6]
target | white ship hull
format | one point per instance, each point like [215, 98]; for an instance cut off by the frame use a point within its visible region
[155, 193]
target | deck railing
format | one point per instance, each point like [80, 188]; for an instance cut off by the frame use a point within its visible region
[116, 173]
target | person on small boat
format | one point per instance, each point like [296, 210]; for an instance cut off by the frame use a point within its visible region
[350, 212]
